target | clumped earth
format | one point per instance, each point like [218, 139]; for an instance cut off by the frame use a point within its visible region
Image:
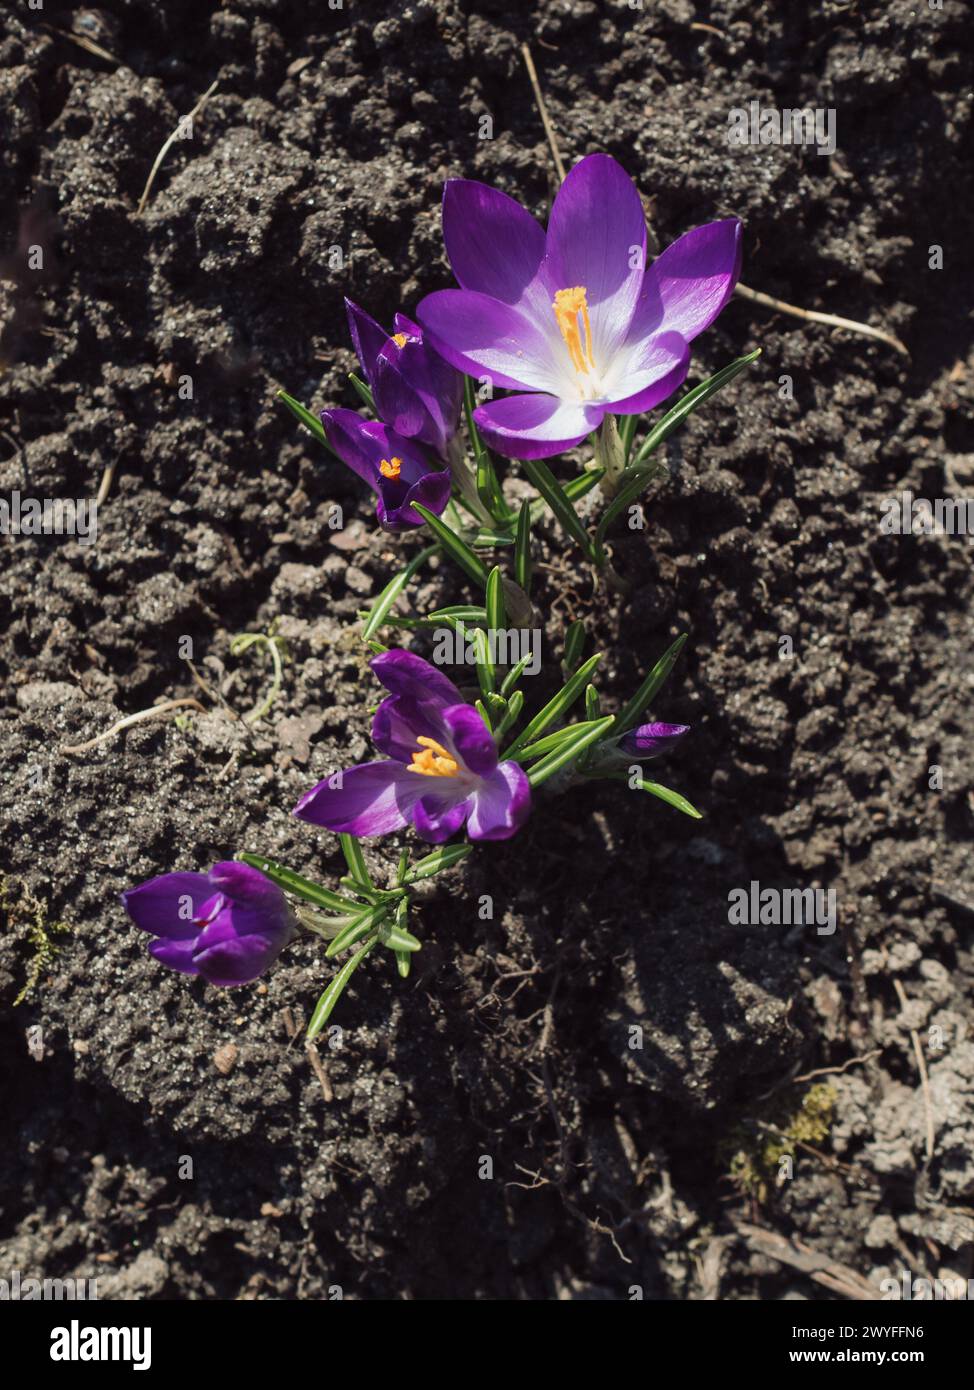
[171, 1140]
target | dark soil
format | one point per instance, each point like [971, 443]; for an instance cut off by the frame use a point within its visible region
[513, 1040]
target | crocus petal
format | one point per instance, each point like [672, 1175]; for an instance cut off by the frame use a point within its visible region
[372, 799]
[399, 402]
[500, 804]
[178, 955]
[687, 286]
[495, 246]
[471, 739]
[650, 740]
[649, 373]
[487, 338]
[597, 239]
[400, 722]
[167, 905]
[345, 432]
[435, 819]
[249, 887]
[537, 426]
[367, 336]
[396, 511]
[405, 673]
[238, 959]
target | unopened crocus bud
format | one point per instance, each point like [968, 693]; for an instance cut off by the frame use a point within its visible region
[229, 925]
[651, 740]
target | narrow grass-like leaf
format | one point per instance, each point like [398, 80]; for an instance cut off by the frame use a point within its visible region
[332, 994]
[355, 931]
[457, 549]
[627, 432]
[294, 883]
[522, 548]
[514, 708]
[593, 705]
[403, 963]
[629, 714]
[489, 488]
[382, 605]
[469, 406]
[514, 675]
[689, 403]
[543, 746]
[460, 613]
[443, 858]
[583, 735]
[574, 643]
[556, 707]
[670, 797]
[486, 674]
[574, 489]
[310, 422]
[487, 538]
[496, 608]
[364, 393]
[623, 499]
[398, 939]
[355, 859]
[560, 503]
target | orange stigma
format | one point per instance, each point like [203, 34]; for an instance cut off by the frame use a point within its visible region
[399, 339]
[570, 306]
[389, 468]
[432, 760]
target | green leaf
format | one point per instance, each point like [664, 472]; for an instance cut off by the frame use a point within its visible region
[398, 939]
[364, 392]
[467, 613]
[568, 750]
[522, 548]
[555, 707]
[457, 549]
[469, 406]
[626, 495]
[689, 403]
[559, 502]
[574, 489]
[489, 488]
[332, 994]
[488, 539]
[629, 714]
[393, 589]
[593, 705]
[574, 643]
[514, 675]
[435, 863]
[670, 797]
[496, 608]
[294, 883]
[545, 745]
[310, 422]
[627, 431]
[403, 963]
[355, 859]
[361, 927]
[511, 714]
[486, 674]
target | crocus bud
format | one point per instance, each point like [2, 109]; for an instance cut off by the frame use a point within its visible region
[650, 740]
[229, 925]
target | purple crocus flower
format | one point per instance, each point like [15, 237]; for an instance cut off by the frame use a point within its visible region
[639, 745]
[441, 769]
[394, 467]
[573, 315]
[414, 390]
[228, 925]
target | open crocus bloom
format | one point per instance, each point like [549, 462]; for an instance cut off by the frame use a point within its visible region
[573, 315]
[394, 468]
[414, 390]
[442, 769]
[228, 925]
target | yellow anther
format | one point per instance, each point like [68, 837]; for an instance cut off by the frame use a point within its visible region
[399, 339]
[569, 306]
[432, 760]
[389, 468]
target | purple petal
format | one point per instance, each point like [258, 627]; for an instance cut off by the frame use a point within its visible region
[373, 799]
[418, 392]
[500, 804]
[650, 740]
[345, 432]
[687, 286]
[405, 673]
[471, 739]
[398, 402]
[535, 427]
[248, 886]
[178, 955]
[487, 338]
[436, 819]
[238, 958]
[597, 239]
[395, 508]
[401, 721]
[367, 336]
[167, 905]
[649, 373]
[495, 246]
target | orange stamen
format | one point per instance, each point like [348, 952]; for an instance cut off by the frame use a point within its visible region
[399, 339]
[432, 760]
[569, 306]
[390, 468]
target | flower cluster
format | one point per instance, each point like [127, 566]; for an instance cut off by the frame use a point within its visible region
[553, 335]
